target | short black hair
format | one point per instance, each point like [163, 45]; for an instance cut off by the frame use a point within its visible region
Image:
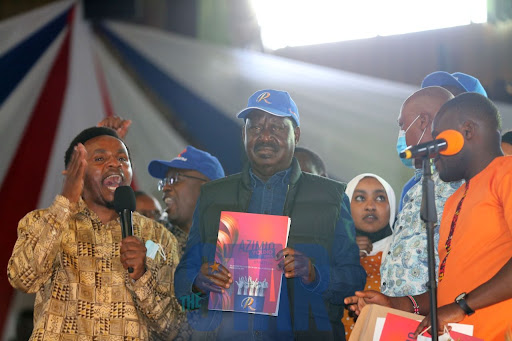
[88, 134]
[316, 160]
[507, 137]
[474, 105]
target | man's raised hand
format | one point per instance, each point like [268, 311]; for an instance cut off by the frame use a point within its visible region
[74, 174]
[117, 123]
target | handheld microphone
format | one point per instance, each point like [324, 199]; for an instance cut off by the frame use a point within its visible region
[448, 142]
[124, 204]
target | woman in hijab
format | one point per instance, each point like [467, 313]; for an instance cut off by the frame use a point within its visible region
[373, 208]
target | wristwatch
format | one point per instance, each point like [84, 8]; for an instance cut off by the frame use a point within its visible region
[461, 301]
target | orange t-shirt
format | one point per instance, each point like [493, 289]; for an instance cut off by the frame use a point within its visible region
[481, 244]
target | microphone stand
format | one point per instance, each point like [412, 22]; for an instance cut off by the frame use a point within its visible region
[429, 216]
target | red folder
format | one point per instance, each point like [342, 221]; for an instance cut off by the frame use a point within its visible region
[398, 328]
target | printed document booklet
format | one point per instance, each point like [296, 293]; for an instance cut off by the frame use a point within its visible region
[247, 244]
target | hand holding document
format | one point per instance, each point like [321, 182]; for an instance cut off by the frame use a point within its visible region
[247, 246]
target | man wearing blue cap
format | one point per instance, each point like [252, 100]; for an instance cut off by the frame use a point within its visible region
[321, 261]
[180, 181]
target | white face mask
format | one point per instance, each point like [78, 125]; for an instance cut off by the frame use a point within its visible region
[153, 248]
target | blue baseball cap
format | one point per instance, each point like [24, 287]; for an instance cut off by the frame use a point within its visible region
[190, 158]
[458, 79]
[275, 102]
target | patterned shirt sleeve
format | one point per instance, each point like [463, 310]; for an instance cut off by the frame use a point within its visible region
[404, 270]
[153, 293]
[37, 246]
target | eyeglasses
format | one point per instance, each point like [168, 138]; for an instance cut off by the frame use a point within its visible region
[174, 179]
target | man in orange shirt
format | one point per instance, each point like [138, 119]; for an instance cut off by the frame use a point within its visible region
[475, 248]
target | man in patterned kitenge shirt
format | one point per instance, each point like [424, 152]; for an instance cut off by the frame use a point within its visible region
[73, 257]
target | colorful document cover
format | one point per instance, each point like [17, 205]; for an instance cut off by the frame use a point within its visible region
[247, 244]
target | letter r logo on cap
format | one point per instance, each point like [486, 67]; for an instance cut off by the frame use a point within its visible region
[263, 97]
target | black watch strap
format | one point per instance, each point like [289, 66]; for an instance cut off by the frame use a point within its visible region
[461, 301]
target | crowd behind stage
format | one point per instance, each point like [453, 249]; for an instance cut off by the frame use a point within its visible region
[349, 245]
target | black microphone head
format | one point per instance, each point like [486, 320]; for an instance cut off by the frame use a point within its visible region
[406, 153]
[124, 199]
[403, 154]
